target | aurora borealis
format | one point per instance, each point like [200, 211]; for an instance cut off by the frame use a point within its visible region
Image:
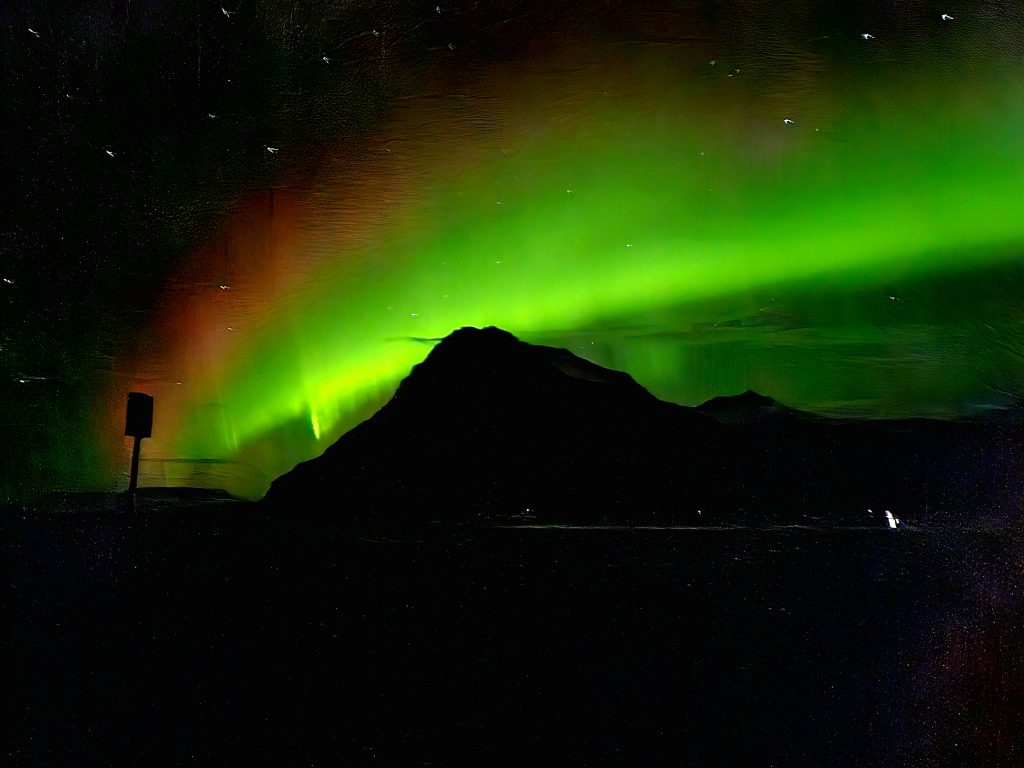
[778, 204]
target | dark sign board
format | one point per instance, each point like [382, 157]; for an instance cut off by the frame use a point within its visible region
[139, 421]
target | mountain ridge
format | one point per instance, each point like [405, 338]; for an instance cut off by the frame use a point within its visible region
[489, 427]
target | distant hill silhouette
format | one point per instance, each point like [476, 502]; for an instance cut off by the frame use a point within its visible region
[747, 407]
[490, 428]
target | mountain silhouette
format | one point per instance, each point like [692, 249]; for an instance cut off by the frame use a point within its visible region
[747, 407]
[489, 428]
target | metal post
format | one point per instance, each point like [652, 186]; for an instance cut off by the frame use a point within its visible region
[138, 424]
[133, 481]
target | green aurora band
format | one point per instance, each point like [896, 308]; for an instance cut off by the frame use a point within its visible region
[618, 215]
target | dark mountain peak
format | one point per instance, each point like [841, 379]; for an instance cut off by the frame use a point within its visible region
[474, 344]
[490, 335]
[472, 363]
[752, 398]
[744, 407]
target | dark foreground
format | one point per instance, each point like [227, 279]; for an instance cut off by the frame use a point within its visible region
[207, 634]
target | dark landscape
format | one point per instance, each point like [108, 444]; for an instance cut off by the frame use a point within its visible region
[522, 383]
[525, 556]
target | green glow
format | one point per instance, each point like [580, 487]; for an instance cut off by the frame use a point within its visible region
[624, 213]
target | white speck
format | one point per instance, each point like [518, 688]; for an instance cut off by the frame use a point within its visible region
[33, 31]
[414, 314]
[702, 154]
[230, 328]
[375, 33]
[227, 14]
[272, 150]
[945, 17]
[713, 62]
[894, 298]
[211, 115]
[23, 381]
[438, 8]
[497, 202]
[629, 245]
[787, 121]
[451, 46]
[8, 281]
[109, 152]
[498, 261]
[568, 191]
[224, 286]
[867, 36]
[178, 383]
[326, 60]
[893, 521]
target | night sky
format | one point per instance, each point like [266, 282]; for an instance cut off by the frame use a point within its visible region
[261, 213]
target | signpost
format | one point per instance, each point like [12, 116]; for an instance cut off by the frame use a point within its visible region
[138, 424]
